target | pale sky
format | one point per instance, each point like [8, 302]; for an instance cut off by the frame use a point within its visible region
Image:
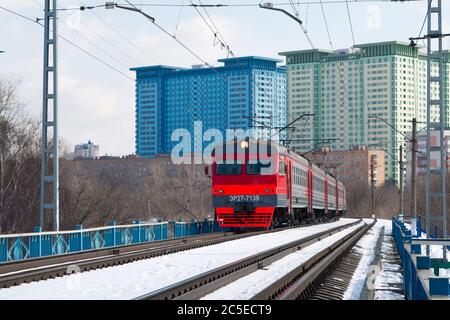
[98, 103]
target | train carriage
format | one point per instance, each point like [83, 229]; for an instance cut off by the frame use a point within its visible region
[260, 184]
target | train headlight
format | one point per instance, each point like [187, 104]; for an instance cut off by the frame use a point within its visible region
[221, 190]
[244, 144]
[267, 189]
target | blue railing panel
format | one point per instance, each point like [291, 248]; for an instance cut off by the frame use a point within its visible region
[41, 244]
[3, 250]
[413, 283]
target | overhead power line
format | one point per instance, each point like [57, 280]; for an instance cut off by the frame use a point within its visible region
[152, 20]
[231, 5]
[361, 71]
[218, 31]
[280, 4]
[123, 52]
[36, 21]
[217, 35]
[79, 34]
[269, 6]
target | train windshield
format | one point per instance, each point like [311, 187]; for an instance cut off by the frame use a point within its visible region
[229, 168]
[263, 168]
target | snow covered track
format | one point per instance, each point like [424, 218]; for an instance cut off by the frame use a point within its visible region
[16, 273]
[145, 276]
[303, 281]
[211, 280]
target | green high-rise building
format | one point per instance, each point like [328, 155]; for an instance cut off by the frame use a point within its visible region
[344, 87]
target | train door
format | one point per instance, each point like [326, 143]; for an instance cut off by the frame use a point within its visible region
[310, 193]
[289, 187]
[337, 197]
[325, 189]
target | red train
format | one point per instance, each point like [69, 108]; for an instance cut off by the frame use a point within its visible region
[262, 184]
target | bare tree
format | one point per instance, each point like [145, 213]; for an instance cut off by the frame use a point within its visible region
[19, 136]
[359, 201]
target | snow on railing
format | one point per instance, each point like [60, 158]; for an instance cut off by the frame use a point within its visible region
[426, 274]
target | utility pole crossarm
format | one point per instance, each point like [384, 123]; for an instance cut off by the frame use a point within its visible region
[269, 6]
[295, 120]
[112, 5]
[390, 125]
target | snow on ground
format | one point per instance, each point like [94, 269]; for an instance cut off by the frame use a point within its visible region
[389, 281]
[248, 286]
[134, 279]
[366, 246]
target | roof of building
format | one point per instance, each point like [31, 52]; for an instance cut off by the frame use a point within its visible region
[362, 45]
[225, 61]
[160, 66]
[402, 43]
[249, 58]
[285, 53]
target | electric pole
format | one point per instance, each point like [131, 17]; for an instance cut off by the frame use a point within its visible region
[401, 181]
[372, 183]
[49, 177]
[414, 149]
[435, 98]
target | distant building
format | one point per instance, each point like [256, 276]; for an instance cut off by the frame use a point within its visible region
[86, 151]
[344, 87]
[351, 166]
[435, 162]
[247, 92]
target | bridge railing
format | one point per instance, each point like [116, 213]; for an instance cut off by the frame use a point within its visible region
[423, 279]
[418, 226]
[185, 229]
[14, 247]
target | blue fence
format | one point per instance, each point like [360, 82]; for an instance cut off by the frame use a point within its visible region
[15, 247]
[420, 282]
[185, 229]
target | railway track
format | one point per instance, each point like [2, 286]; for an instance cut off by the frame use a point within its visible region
[43, 268]
[205, 283]
[325, 276]
[18, 272]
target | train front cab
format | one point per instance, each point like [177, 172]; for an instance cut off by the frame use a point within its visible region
[244, 190]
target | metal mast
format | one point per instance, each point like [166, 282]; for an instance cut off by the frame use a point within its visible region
[414, 169]
[49, 140]
[436, 80]
[400, 207]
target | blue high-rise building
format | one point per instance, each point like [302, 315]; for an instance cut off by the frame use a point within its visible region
[246, 92]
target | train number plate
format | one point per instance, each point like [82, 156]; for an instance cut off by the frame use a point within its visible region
[245, 198]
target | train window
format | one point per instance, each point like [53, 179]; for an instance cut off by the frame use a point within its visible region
[259, 168]
[228, 168]
[281, 168]
[318, 184]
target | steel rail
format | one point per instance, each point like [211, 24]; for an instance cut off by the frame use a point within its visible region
[18, 265]
[293, 284]
[207, 282]
[19, 272]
